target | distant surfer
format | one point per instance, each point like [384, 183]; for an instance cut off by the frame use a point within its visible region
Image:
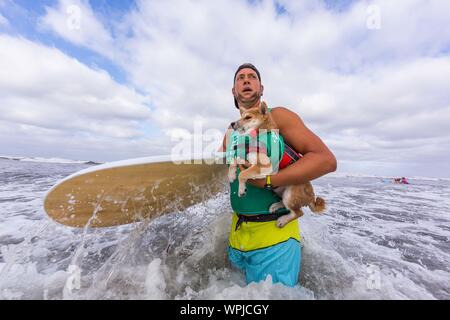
[256, 245]
[401, 180]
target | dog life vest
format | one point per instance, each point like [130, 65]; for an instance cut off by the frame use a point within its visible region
[258, 200]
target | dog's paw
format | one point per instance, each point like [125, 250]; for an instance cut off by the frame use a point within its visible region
[275, 206]
[242, 191]
[242, 194]
[282, 221]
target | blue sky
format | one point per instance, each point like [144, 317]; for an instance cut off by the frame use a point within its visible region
[137, 75]
[25, 15]
[339, 5]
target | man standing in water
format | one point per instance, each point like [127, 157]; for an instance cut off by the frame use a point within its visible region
[258, 246]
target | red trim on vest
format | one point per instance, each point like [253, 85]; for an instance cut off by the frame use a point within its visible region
[289, 156]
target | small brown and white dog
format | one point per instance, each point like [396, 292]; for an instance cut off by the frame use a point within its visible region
[294, 197]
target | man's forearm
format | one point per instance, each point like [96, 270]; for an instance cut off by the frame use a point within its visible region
[310, 167]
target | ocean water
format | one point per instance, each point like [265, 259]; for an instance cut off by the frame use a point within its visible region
[377, 240]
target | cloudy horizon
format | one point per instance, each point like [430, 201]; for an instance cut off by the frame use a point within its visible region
[111, 80]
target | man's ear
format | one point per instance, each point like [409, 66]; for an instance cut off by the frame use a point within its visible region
[233, 92]
[262, 91]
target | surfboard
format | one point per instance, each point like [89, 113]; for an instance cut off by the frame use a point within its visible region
[134, 190]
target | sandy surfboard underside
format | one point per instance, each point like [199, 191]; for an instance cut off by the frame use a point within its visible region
[124, 193]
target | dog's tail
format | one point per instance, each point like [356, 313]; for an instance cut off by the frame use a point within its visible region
[318, 206]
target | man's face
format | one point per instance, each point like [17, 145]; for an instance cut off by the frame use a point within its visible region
[247, 88]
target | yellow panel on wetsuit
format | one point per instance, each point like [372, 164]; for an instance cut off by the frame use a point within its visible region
[257, 235]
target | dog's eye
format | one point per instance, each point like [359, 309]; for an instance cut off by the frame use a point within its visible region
[247, 118]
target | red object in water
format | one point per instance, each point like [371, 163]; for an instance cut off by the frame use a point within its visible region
[401, 180]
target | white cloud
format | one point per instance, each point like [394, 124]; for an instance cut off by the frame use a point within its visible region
[75, 21]
[345, 80]
[45, 95]
[28, 140]
[3, 21]
[366, 92]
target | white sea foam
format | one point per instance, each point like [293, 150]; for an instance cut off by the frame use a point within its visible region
[376, 241]
[47, 160]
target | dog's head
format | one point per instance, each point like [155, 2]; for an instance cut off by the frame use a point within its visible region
[253, 119]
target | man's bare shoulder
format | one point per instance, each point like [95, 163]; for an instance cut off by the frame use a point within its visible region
[283, 115]
[279, 109]
[283, 111]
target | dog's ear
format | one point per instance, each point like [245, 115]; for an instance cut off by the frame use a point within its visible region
[264, 108]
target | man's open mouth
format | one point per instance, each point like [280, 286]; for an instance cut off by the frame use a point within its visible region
[247, 90]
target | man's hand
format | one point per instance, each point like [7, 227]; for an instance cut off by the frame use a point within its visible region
[260, 183]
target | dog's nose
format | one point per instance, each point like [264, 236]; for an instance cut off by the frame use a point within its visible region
[233, 124]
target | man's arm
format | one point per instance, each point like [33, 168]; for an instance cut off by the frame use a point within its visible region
[317, 159]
